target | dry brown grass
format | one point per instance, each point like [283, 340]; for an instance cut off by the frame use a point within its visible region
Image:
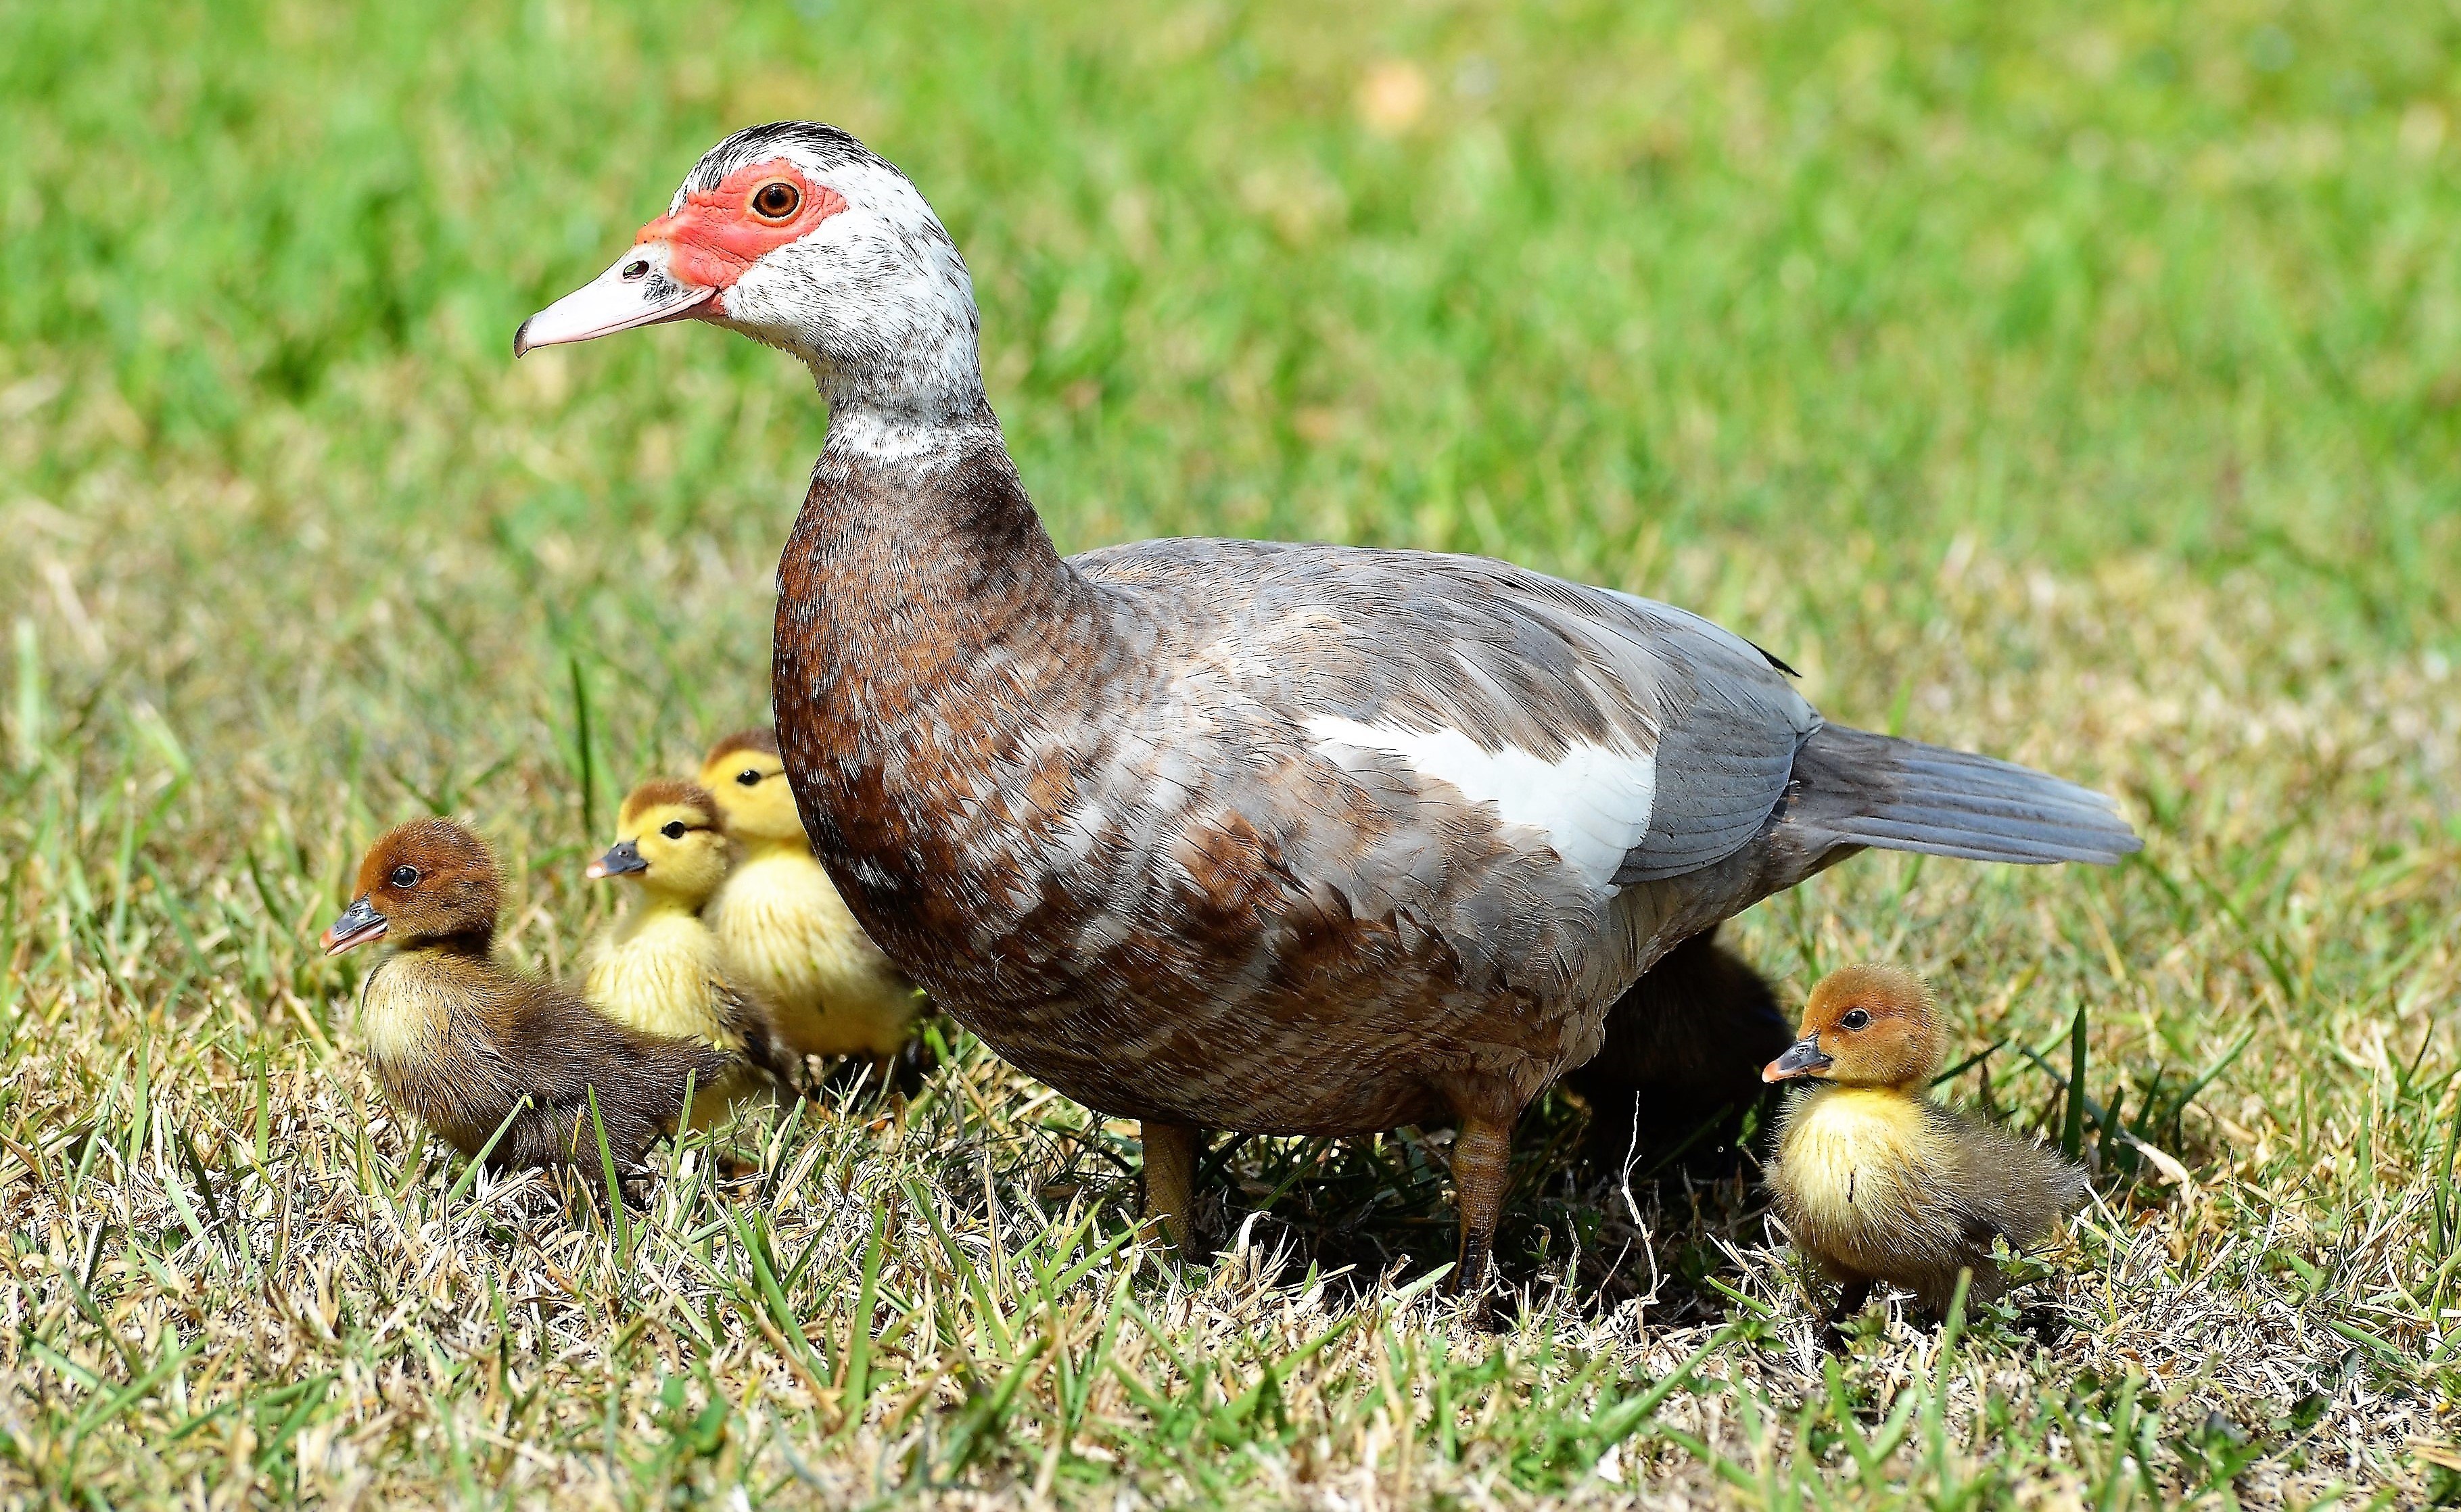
[231, 1267]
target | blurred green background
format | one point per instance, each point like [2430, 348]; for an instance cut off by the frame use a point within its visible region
[1540, 279]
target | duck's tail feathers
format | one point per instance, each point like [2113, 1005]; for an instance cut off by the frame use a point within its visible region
[1856, 788]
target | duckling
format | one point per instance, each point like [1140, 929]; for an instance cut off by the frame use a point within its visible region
[1878, 1182]
[659, 968]
[787, 934]
[463, 1043]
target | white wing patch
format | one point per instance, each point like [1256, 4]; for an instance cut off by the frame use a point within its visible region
[1593, 803]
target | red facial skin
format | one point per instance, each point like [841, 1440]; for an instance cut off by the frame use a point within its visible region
[717, 234]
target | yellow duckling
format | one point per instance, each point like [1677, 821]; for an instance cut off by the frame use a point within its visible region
[1876, 1182]
[787, 933]
[658, 968]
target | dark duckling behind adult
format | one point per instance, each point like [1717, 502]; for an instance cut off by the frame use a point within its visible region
[1876, 1182]
[462, 1041]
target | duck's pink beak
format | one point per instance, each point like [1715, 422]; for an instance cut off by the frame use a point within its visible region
[641, 290]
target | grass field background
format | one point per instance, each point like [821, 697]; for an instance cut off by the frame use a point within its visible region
[2081, 388]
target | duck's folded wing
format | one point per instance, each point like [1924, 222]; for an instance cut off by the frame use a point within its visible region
[1639, 741]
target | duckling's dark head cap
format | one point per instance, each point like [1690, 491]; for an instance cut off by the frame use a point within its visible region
[760, 738]
[669, 792]
[431, 879]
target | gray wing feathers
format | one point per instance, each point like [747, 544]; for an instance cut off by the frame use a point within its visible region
[1729, 727]
[1855, 788]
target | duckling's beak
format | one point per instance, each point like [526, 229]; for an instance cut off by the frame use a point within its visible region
[621, 859]
[359, 924]
[1801, 1058]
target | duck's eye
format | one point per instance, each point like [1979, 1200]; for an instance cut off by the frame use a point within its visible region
[404, 877]
[672, 829]
[749, 776]
[777, 200]
[1855, 1018]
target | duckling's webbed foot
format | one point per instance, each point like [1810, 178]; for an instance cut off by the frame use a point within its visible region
[1851, 1298]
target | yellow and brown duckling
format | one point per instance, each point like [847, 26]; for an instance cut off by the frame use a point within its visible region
[659, 968]
[1876, 1182]
[788, 935]
[463, 1042]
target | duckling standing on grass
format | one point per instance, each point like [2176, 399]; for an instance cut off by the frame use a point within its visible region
[659, 968]
[789, 936]
[463, 1043]
[1876, 1182]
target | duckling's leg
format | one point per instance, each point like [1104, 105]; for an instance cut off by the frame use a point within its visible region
[1850, 1299]
[1481, 1170]
[1170, 1178]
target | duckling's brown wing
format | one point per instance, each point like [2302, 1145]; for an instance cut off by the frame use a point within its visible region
[752, 1023]
[2008, 1186]
[559, 1050]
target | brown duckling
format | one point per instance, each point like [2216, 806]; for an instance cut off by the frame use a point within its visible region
[1876, 1182]
[659, 968]
[465, 1043]
[788, 937]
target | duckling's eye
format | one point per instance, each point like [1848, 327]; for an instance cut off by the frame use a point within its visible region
[776, 201]
[404, 877]
[749, 776]
[1855, 1018]
[672, 829]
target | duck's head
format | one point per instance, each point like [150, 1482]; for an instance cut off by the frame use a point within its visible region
[667, 840]
[744, 774]
[1866, 1026]
[799, 236]
[425, 881]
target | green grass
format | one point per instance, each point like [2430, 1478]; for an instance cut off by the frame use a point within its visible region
[2079, 388]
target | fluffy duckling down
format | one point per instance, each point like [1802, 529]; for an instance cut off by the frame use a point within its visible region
[1876, 1182]
[659, 968]
[468, 1046]
[788, 935]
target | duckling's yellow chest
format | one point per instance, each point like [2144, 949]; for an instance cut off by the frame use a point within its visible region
[1854, 1159]
[789, 937]
[660, 970]
[406, 1010]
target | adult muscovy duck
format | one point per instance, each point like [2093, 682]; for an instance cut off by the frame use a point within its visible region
[1238, 834]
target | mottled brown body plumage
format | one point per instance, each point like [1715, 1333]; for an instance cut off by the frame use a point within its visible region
[1878, 1183]
[463, 1043]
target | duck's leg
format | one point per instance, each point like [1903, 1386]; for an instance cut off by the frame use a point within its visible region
[1481, 1170]
[1170, 1178]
